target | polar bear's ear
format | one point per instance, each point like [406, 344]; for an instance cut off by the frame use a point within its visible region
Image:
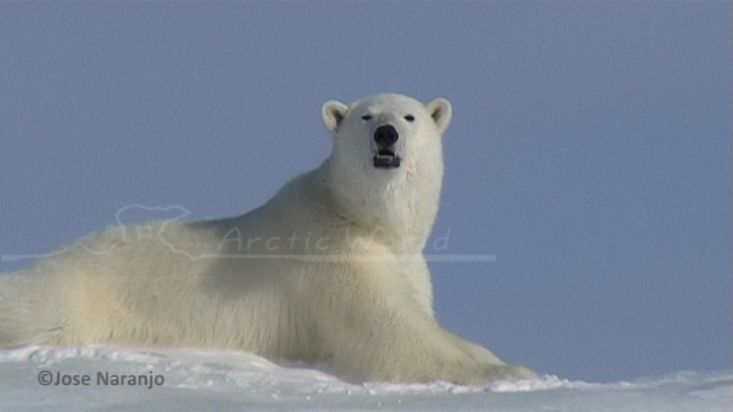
[333, 113]
[440, 111]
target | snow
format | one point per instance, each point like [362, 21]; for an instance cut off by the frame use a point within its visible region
[199, 380]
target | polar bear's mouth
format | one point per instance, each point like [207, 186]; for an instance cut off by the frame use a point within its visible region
[386, 159]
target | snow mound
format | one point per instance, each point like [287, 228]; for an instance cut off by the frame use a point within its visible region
[40, 378]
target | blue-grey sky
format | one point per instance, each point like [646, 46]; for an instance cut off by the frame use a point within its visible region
[589, 149]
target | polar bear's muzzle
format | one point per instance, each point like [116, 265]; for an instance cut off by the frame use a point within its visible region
[385, 138]
[386, 159]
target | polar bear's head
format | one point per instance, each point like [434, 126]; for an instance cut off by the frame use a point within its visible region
[386, 130]
[387, 165]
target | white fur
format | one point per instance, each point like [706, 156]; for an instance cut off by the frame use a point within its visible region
[356, 293]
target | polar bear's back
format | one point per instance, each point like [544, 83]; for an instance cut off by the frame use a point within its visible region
[63, 297]
[167, 282]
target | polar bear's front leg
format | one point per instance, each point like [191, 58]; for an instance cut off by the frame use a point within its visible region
[485, 356]
[477, 351]
[375, 332]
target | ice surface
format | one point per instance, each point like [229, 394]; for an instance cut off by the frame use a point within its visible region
[199, 380]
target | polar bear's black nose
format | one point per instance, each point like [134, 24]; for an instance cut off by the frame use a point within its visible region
[386, 135]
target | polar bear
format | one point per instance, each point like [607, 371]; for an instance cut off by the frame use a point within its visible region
[330, 269]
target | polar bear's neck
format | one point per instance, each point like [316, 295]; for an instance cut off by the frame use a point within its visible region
[401, 204]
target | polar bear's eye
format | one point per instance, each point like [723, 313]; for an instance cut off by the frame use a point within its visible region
[410, 118]
[366, 117]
